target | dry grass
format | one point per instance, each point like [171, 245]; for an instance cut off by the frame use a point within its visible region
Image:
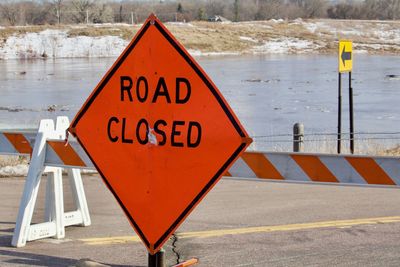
[125, 32]
[209, 37]
[9, 31]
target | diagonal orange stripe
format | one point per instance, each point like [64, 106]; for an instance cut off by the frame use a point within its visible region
[20, 143]
[314, 168]
[227, 174]
[370, 171]
[261, 166]
[66, 153]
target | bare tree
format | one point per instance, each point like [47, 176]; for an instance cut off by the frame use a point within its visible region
[269, 9]
[102, 13]
[81, 10]
[10, 12]
[201, 14]
[370, 9]
[215, 8]
[57, 4]
[236, 10]
[13, 12]
[247, 10]
[390, 8]
[315, 8]
[343, 11]
[35, 13]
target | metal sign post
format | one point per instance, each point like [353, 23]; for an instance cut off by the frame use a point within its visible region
[157, 259]
[351, 115]
[339, 135]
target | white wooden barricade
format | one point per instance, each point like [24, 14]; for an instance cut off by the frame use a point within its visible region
[55, 219]
[51, 153]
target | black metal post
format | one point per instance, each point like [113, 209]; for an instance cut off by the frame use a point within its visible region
[298, 137]
[351, 116]
[157, 260]
[339, 135]
[152, 260]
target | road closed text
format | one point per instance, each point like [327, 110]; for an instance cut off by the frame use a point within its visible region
[176, 133]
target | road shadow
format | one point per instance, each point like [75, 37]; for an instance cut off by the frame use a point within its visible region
[13, 257]
[6, 234]
[31, 259]
[5, 240]
[8, 230]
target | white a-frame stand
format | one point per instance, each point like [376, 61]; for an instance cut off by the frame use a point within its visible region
[55, 218]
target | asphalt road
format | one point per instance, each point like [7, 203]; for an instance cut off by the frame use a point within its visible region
[240, 223]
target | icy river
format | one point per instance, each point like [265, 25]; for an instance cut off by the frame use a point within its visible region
[268, 93]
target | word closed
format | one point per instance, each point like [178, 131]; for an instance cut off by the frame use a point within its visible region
[176, 133]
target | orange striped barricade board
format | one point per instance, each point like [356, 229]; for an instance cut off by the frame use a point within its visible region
[17, 142]
[60, 154]
[302, 167]
[323, 168]
[33, 142]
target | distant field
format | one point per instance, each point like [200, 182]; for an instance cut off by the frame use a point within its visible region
[205, 38]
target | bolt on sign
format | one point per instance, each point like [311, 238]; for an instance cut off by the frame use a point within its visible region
[345, 56]
[159, 132]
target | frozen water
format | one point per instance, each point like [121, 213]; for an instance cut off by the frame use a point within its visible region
[268, 93]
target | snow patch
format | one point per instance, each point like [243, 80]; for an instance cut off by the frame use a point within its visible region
[198, 53]
[17, 170]
[372, 47]
[287, 45]
[57, 44]
[353, 32]
[261, 25]
[182, 24]
[390, 35]
[111, 25]
[311, 27]
[248, 39]
[276, 20]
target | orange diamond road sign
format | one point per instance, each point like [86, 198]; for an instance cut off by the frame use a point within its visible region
[159, 132]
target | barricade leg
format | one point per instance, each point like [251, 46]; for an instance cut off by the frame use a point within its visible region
[49, 210]
[54, 210]
[81, 215]
[59, 203]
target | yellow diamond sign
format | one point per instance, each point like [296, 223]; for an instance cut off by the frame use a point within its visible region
[345, 56]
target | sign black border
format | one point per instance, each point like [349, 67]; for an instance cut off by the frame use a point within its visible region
[214, 91]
